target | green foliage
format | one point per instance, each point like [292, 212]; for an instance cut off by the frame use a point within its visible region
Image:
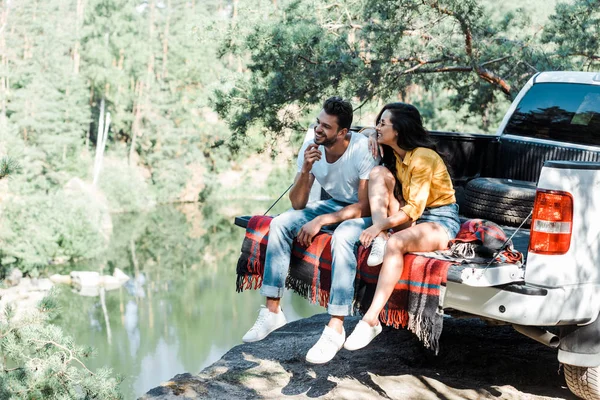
[125, 187]
[574, 29]
[66, 225]
[60, 59]
[39, 361]
[169, 180]
[8, 166]
[468, 57]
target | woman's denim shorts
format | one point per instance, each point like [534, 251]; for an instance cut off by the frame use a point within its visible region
[446, 216]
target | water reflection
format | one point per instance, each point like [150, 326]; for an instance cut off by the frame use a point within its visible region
[179, 312]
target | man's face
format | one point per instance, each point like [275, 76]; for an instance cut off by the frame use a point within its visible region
[327, 129]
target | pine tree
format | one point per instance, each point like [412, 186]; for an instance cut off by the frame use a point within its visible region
[39, 361]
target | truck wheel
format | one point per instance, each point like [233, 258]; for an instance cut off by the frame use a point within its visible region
[504, 201]
[584, 382]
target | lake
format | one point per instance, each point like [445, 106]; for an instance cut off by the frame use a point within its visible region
[179, 312]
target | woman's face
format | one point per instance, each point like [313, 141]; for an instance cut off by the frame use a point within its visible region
[385, 131]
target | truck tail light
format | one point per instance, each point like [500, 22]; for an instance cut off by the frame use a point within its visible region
[551, 222]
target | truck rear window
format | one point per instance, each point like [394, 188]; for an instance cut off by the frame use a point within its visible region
[559, 111]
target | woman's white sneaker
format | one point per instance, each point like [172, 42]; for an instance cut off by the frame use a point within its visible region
[377, 252]
[326, 347]
[266, 323]
[363, 335]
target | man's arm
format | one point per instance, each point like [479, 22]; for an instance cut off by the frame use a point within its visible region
[301, 190]
[356, 210]
[304, 179]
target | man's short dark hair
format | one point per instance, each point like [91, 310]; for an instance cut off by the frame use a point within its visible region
[341, 109]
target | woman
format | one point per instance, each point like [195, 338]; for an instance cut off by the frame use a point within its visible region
[426, 214]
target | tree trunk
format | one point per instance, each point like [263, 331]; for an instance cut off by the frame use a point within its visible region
[78, 24]
[103, 127]
[137, 116]
[3, 63]
[234, 17]
[166, 41]
[143, 91]
[89, 132]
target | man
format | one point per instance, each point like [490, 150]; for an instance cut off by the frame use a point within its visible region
[340, 161]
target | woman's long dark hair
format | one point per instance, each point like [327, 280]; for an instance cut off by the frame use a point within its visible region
[406, 120]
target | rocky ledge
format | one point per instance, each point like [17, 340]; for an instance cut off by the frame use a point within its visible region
[476, 361]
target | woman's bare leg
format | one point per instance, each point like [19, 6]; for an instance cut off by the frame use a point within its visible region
[381, 194]
[426, 236]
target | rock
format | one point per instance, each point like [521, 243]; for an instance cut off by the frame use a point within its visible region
[476, 361]
[87, 291]
[64, 279]
[41, 285]
[84, 278]
[14, 278]
[120, 275]
[88, 283]
[24, 297]
[110, 282]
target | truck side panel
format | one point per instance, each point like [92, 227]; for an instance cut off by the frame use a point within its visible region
[581, 264]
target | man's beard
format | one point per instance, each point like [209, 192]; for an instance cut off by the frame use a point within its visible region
[327, 142]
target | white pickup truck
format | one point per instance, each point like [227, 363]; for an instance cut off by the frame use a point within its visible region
[539, 178]
[544, 160]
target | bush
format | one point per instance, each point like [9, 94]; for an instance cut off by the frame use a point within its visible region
[125, 187]
[40, 362]
[169, 178]
[66, 225]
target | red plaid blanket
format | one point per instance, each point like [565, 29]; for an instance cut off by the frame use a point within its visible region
[310, 276]
[416, 302]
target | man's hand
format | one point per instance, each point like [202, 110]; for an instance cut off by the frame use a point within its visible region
[367, 236]
[308, 232]
[311, 155]
[375, 148]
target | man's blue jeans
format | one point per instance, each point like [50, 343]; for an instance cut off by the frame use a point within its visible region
[282, 231]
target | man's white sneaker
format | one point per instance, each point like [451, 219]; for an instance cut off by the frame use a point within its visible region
[362, 335]
[326, 347]
[377, 252]
[266, 323]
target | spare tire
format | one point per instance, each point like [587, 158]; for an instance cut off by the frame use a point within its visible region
[505, 201]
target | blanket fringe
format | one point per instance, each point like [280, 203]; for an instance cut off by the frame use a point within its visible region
[425, 329]
[395, 318]
[300, 287]
[246, 282]
[421, 327]
[323, 298]
[252, 276]
[307, 291]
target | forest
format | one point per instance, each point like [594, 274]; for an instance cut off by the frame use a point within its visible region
[119, 105]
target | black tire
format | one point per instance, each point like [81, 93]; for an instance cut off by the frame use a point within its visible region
[504, 201]
[583, 382]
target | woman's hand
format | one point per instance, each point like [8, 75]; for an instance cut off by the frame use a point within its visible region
[374, 147]
[367, 236]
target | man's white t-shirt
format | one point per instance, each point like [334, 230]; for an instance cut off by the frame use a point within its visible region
[340, 179]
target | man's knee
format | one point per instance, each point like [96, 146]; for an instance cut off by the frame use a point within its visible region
[348, 232]
[285, 220]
